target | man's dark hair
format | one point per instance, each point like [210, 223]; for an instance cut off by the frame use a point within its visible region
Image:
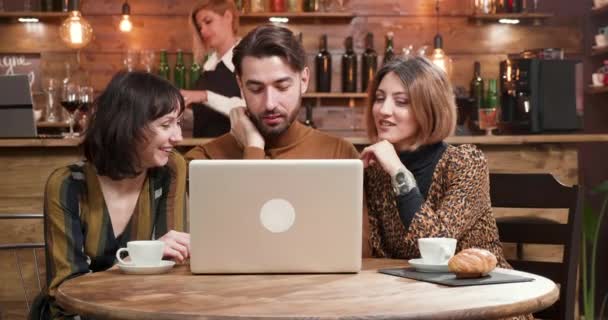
[121, 115]
[268, 41]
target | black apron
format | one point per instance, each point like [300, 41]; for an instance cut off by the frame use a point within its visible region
[208, 122]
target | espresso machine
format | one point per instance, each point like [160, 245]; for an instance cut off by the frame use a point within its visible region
[540, 95]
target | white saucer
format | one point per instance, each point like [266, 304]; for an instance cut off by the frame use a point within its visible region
[419, 265]
[164, 266]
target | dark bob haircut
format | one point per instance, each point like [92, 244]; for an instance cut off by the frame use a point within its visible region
[122, 113]
[269, 41]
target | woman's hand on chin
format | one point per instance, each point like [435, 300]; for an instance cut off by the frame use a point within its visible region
[384, 153]
[177, 246]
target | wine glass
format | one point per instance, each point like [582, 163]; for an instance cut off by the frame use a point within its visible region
[70, 100]
[130, 59]
[50, 86]
[146, 57]
[86, 99]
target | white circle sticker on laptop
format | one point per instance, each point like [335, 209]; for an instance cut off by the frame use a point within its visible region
[277, 215]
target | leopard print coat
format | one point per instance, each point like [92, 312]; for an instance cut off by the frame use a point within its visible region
[457, 206]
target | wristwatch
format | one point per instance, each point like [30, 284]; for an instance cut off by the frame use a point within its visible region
[403, 181]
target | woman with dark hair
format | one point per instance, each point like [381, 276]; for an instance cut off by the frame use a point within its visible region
[130, 187]
[417, 185]
[214, 25]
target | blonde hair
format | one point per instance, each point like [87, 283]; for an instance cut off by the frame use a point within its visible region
[432, 99]
[199, 49]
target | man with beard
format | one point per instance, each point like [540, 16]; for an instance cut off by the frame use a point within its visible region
[270, 66]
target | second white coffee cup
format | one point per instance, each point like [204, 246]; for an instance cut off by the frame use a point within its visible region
[436, 250]
[143, 253]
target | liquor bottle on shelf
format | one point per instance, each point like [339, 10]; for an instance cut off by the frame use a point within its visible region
[488, 115]
[309, 122]
[277, 5]
[323, 67]
[311, 5]
[349, 67]
[389, 53]
[476, 90]
[163, 68]
[195, 74]
[369, 62]
[179, 71]
[293, 5]
[256, 6]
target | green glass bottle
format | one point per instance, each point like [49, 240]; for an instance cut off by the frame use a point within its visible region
[195, 73]
[491, 95]
[389, 53]
[476, 90]
[163, 68]
[179, 71]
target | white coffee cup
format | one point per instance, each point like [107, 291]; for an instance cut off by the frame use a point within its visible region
[143, 253]
[436, 250]
[600, 40]
[597, 79]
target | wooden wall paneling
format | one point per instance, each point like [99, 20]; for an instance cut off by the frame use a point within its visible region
[30, 38]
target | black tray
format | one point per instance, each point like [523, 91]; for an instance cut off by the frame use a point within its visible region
[449, 279]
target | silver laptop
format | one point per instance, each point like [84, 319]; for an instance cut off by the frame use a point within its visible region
[275, 216]
[16, 108]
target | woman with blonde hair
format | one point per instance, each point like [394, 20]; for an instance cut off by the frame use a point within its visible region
[214, 25]
[417, 185]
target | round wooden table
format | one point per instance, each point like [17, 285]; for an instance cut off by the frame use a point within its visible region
[367, 295]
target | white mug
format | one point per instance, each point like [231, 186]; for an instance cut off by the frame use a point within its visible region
[436, 250]
[598, 79]
[600, 40]
[143, 253]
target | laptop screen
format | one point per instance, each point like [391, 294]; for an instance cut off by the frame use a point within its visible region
[16, 108]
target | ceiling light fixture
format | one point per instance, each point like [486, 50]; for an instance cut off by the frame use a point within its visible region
[439, 57]
[125, 24]
[75, 31]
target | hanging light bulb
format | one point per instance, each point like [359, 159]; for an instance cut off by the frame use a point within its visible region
[125, 24]
[75, 31]
[439, 57]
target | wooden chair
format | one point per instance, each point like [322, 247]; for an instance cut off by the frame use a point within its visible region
[542, 191]
[26, 259]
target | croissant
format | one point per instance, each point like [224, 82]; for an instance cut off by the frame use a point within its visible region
[472, 263]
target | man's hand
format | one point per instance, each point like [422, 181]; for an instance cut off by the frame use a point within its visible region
[194, 96]
[243, 129]
[177, 245]
[384, 153]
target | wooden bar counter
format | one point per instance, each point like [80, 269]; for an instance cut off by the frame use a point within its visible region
[26, 164]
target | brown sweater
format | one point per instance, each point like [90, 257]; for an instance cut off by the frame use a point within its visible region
[298, 142]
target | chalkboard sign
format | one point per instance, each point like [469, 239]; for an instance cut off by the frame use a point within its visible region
[19, 63]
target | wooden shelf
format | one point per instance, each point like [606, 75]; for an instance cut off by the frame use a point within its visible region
[600, 10]
[45, 124]
[336, 95]
[535, 18]
[597, 90]
[596, 51]
[297, 15]
[33, 14]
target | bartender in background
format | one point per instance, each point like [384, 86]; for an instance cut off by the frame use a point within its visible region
[214, 25]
